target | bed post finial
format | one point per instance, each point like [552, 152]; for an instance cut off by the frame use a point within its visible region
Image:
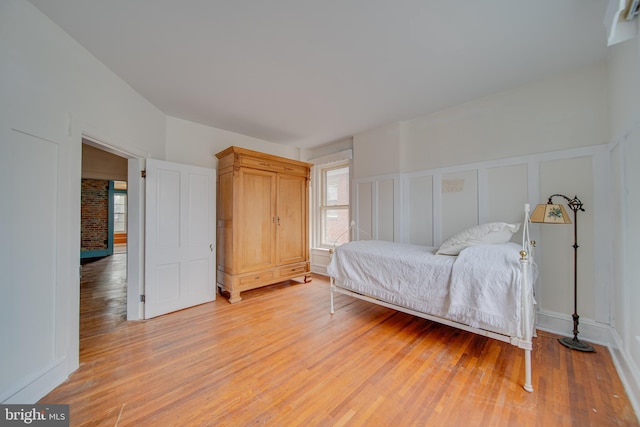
[523, 255]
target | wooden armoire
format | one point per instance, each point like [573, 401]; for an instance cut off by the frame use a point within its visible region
[263, 220]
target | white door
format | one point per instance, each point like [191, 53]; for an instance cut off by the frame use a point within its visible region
[179, 237]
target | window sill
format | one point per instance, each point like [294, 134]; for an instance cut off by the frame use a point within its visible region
[320, 249]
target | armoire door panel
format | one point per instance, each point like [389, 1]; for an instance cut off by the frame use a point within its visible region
[256, 220]
[291, 229]
[224, 227]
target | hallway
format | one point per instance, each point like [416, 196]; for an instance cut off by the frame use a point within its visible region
[103, 295]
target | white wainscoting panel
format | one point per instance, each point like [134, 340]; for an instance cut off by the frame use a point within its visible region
[419, 194]
[459, 195]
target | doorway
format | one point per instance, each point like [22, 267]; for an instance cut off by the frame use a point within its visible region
[156, 194]
[103, 256]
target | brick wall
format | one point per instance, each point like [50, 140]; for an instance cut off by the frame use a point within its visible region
[94, 231]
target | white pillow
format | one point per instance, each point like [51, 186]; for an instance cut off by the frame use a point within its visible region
[490, 233]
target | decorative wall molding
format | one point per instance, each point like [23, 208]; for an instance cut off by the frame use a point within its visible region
[368, 200]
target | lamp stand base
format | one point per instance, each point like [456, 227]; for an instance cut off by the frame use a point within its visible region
[576, 344]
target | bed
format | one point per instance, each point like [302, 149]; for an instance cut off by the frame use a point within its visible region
[477, 280]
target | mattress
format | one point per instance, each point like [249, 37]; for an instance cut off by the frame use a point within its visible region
[480, 287]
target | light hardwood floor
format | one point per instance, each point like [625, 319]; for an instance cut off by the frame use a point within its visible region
[279, 358]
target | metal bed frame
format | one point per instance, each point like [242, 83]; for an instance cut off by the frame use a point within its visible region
[526, 328]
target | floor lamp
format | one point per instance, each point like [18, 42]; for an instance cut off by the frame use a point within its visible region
[555, 214]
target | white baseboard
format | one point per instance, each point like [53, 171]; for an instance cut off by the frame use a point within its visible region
[319, 269]
[627, 370]
[34, 388]
[562, 324]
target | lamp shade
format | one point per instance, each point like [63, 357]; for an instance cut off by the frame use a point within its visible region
[550, 213]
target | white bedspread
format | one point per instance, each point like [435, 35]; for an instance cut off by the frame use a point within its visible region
[479, 287]
[485, 287]
[408, 275]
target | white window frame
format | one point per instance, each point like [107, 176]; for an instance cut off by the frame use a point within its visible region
[321, 165]
[324, 207]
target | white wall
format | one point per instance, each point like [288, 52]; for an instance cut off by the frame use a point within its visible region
[196, 144]
[52, 93]
[45, 70]
[564, 111]
[376, 151]
[571, 177]
[481, 161]
[624, 99]
[328, 149]
[434, 204]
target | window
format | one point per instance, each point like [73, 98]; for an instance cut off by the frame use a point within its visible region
[330, 200]
[334, 205]
[120, 212]
[120, 207]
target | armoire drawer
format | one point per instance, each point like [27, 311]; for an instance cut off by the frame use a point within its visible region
[250, 279]
[275, 166]
[292, 270]
[291, 169]
[256, 163]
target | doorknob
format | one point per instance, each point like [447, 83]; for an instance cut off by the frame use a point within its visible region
[211, 247]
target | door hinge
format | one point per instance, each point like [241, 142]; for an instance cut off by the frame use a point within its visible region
[142, 298]
[143, 173]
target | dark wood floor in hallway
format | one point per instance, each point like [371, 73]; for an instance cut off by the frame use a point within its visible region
[279, 358]
[103, 295]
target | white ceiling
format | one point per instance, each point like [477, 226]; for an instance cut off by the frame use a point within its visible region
[309, 72]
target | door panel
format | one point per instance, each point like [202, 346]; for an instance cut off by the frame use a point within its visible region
[292, 219]
[180, 236]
